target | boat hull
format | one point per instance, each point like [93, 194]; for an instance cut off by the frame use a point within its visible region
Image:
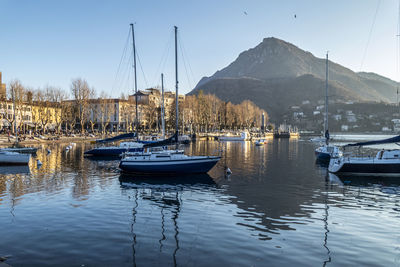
[170, 166]
[366, 168]
[24, 150]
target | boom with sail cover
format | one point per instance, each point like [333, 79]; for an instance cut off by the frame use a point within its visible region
[395, 139]
[170, 141]
[116, 138]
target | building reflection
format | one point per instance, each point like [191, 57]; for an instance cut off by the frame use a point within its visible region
[58, 170]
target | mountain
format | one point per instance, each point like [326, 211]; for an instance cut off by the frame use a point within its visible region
[276, 75]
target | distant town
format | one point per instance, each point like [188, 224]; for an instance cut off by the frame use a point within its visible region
[346, 116]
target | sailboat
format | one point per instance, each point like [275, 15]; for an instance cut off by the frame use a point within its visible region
[326, 152]
[128, 146]
[169, 161]
[385, 163]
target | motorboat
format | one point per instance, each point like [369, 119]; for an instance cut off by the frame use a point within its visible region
[385, 163]
[14, 158]
[244, 136]
[167, 162]
[326, 152]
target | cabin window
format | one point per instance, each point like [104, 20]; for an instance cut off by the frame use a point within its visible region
[396, 156]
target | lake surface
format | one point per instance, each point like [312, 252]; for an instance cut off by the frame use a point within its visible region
[277, 208]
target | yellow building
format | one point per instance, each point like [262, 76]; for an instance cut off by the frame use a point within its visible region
[29, 116]
[46, 115]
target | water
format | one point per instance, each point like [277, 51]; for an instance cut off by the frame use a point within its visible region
[277, 208]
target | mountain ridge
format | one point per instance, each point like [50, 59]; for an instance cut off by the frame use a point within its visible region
[276, 66]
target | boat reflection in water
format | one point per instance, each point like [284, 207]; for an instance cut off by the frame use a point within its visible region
[136, 181]
[165, 193]
[23, 169]
[343, 179]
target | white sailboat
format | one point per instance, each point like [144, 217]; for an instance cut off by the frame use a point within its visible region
[169, 161]
[384, 163]
[325, 152]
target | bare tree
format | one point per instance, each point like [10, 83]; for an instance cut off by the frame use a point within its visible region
[16, 94]
[106, 111]
[81, 93]
[59, 97]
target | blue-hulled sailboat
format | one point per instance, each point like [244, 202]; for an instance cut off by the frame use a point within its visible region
[169, 161]
[129, 146]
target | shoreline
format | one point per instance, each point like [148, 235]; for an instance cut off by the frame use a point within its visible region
[38, 141]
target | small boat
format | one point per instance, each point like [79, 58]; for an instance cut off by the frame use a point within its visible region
[260, 142]
[167, 162]
[14, 158]
[244, 136]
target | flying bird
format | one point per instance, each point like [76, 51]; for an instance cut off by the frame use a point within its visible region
[295, 16]
[245, 13]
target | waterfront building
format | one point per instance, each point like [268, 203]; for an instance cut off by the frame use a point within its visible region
[29, 116]
[45, 115]
[2, 89]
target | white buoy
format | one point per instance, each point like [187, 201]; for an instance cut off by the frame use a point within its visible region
[39, 163]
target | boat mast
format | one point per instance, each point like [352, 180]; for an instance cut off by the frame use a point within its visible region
[14, 118]
[176, 87]
[162, 106]
[326, 98]
[134, 71]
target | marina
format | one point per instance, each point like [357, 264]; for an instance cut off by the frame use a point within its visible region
[267, 203]
[262, 133]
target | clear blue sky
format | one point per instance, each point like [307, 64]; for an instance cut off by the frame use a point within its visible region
[51, 42]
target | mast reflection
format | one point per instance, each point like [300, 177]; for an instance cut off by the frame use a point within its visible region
[166, 194]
